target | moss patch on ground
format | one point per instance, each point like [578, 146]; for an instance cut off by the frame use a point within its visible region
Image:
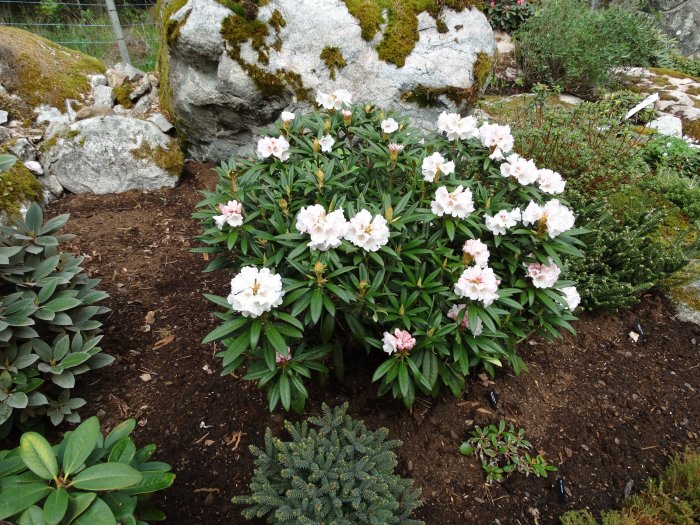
[171, 160]
[17, 186]
[42, 72]
[672, 73]
[401, 33]
[692, 129]
[673, 498]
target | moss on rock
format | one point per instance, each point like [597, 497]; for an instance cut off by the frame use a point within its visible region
[692, 129]
[333, 59]
[41, 72]
[17, 186]
[171, 160]
[122, 95]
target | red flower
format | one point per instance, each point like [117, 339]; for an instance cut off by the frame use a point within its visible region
[507, 8]
[492, 5]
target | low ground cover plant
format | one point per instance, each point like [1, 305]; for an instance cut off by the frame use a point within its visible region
[351, 231]
[48, 331]
[86, 479]
[673, 498]
[332, 470]
[503, 451]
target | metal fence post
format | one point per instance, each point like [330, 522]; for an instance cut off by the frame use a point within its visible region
[114, 18]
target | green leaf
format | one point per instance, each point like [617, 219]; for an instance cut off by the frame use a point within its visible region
[75, 359]
[32, 516]
[285, 393]
[15, 499]
[61, 304]
[275, 338]
[107, 476]
[382, 369]
[316, 305]
[403, 379]
[6, 162]
[122, 430]
[152, 482]
[77, 504]
[38, 455]
[35, 217]
[123, 451]
[225, 330]
[98, 513]
[80, 444]
[55, 506]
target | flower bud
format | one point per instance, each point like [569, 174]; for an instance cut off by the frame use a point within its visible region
[283, 205]
[320, 177]
[327, 126]
[347, 116]
[316, 146]
[389, 214]
[368, 108]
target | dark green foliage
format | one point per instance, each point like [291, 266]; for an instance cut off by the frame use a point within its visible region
[586, 45]
[339, 473]
[622, 258]
[674, 154]
[508, 15]
[87, 479]
[682, 191]
[48, 334]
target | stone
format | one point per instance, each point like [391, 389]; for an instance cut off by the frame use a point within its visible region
[143, 106]
[23, 150]
[679, 19]
[98, 80]
[93, 111]
[120, 110]
[113, 154]
[159, 120]
[51, 184]
[668, 125]
[570, 99]
[140, 90]
[220, 108]
[34, 167]
[116, 78]
[103, 96]
[130, 71]
[55, 120]
[4, 117]
[153, 80]
[5, 134]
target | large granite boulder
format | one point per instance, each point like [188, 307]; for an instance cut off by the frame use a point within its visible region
[112, 154]
[227, 74]
[680, 19]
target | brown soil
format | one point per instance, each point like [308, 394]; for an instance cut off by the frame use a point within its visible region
[603, 409]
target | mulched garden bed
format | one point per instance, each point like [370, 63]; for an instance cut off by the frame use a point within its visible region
[607, 411]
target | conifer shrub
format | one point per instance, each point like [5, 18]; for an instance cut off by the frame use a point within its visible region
[48, 331]
[332, 470]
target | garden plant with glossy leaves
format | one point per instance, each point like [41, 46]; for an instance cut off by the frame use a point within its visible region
[351, 233]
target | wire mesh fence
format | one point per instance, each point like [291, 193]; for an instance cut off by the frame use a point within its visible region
[85, 26]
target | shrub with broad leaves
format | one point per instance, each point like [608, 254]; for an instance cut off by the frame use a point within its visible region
[351, 231]
[87, 479]
[48, 331]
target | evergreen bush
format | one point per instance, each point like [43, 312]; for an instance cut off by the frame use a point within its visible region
[336, 472]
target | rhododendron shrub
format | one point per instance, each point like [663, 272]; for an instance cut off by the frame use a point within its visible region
[352, 233]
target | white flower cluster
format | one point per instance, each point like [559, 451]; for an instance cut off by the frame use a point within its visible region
[504, 219]
[456, 127]
[278, 147]
[326, 143]
[389, 125]
[550, 181]
[435, 165]
[477, 251]
[287, 116]
[571, 296]
[254, 291]
[327, 230]
[543, 275]
[478, 284]
[336, 100]
[497, 138]
[400, 340]
[523, 170]
[458, 203]
[231, 214]
[454, 312]
[557, 217]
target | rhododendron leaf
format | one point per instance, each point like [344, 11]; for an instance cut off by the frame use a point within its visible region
[404, 380]
[225, 330]
[316, 305]
[289, 319]
[255, 329]
[218, 300]
[275, 338]
[383, 369]
[285, 392]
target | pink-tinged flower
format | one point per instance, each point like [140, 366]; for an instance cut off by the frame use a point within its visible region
[326, 143]
[400, 341]
[478, 284]
[497, 138]
[477, 252]
[522, 170]
[389, 125]
[255, 291]
[543, 275]
[503, 220]
[347, 116]
[453, 314]
[457, 203]
[335, 100]
[434, 165]
[507, 7]
[457, 128]
[571, 297]
[554, 215]
[280, 359]
[367, 233]
[325, 229]
[394, 150]
[271, 146]
[550, 181]
[231, 214]
[492, 5]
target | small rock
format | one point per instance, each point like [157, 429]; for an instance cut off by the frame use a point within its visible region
[569, 453]
[410, 465]
[585, 447]
[628, 488]
[120, 110]
[130, 71]
[453, 434]
[93, 111]
[635, 397]
[34, 167]
[570, 99]
[153, 80]
[4, 116]
[56, 120]
[98, 80]
[140, 90]
[115, 78]
[103, 96]
[23, 150]
[159, 120]
[50, 182]
[617, 441]
[668, 125]
[143, 106]
[5, 134]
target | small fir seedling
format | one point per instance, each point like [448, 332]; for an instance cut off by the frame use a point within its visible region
[504, 451]
[338, 472]
[87, 479]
